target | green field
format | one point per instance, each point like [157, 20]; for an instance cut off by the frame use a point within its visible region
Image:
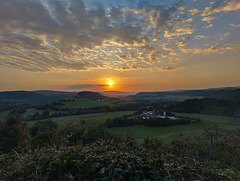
[208, 118]
[3, 115]
[218, 110]
[165, 133]
[168, 133]
[89, 118]
[83, 103]
[31, 111]
[73, 102]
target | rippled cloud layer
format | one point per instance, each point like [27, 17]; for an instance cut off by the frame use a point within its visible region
[75, 35]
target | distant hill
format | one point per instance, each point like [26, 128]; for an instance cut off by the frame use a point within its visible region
[92, 95]
[218, 93]
[32, 97]
[117, 94]
[55, 93]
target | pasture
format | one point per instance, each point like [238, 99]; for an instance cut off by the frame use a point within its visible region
[88, 118]
[3, 115]
[72, 103]
[166, 134]
[83, 103]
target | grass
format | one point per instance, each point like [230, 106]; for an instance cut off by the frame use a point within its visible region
[208, 118]
[89, 118]
[83, 103]
[218, 110]
[166, 134]
[72, 103]
[3, 115]
[31, 111]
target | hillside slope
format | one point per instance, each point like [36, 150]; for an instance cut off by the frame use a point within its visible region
[220, 93]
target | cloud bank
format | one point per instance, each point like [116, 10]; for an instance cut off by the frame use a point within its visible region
[75, 35]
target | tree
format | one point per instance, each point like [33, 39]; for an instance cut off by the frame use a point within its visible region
[42, 126]
[13, 133]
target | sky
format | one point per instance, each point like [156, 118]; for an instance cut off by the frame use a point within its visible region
[144, 45]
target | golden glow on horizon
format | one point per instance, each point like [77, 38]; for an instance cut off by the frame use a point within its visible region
[110, 84]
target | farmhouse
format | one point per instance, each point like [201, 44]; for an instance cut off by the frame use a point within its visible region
[151, 114]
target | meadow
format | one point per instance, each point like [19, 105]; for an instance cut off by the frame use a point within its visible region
[3, 115]
[71, 103]
[75, 102]
[166, 134]
[88, 118]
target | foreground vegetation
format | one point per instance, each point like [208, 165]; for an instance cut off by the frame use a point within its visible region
[83, 152]
[69, 140]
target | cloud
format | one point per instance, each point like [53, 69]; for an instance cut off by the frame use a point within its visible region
[234, 25]
[68, 35]
[156, 16]
[218, 6]
[213, 49]
[168, 68]
[208, 19]
[180, 43]
[167, 48]
[77, 35]
[194, 11]
[201, 37]
[208, 26]
[179, 31]
[225, 36]
[78, 87]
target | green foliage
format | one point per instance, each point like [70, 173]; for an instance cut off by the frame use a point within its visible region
[120, 158]
[220, 148]
[154, 122]
[90, 152]
[42, 126]
[204, 106]
[152, 143]
[71, 134]
[13, 134]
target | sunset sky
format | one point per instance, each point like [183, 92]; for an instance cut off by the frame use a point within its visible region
[151, 45]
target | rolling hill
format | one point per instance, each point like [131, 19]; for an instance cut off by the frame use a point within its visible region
[218, 93]
[33, 97]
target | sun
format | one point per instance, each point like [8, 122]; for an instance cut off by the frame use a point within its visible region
[110, 84]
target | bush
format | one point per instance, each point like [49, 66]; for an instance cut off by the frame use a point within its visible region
[113, 159]
[13, 134]
[41, 126]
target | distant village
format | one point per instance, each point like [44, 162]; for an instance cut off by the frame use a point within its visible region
[152, 114]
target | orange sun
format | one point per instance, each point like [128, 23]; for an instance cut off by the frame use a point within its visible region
[110, 83]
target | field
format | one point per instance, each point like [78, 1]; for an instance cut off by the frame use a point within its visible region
[73, 102]
[168, 133]
[237, 112]
[31, 111]
[164, 133]
[83, 103]
[89, 118]
[218, 110]
[3, 115]
[208, 118]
